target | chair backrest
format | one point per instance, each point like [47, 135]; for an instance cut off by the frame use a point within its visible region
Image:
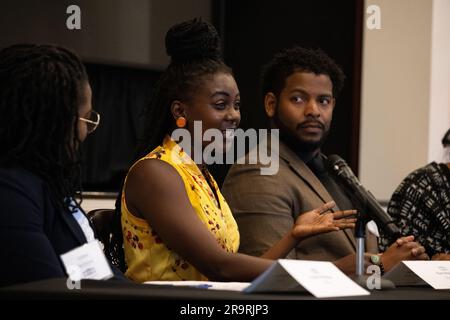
[102, 219]
[104, 225]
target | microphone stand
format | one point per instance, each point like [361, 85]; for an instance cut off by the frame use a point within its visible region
[361, 277]
[360, 235]
[362, 200]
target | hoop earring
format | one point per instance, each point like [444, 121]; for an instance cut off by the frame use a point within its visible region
[181, 122]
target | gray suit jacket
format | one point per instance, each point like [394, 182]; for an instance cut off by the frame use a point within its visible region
[266, 206]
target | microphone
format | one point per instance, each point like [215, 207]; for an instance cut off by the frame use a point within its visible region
[340, 169]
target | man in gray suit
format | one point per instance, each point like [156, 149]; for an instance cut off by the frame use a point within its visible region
[300, 87]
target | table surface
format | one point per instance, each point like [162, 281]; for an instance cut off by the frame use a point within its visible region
[57, 289]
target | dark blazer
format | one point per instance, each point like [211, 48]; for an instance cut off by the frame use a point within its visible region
[33, 233]
[266, 207]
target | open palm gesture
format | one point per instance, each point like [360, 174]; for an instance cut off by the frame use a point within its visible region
[322, 220]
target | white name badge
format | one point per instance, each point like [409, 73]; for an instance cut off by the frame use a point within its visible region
[87, 262]
[434, 273]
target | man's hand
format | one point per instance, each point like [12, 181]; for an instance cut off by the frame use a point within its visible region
[322, 220]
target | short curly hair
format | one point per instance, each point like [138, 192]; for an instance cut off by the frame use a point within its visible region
[288, 61]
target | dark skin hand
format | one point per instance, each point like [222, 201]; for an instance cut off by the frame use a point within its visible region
[403, 249]
[152, 186]
[441, 256]
[313, 222]
[320, 220]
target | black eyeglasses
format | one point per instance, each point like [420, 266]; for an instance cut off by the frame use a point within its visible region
[92, 120]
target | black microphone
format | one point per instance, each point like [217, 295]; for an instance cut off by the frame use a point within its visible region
[340, 169]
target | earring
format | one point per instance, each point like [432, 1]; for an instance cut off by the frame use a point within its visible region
[181, 122]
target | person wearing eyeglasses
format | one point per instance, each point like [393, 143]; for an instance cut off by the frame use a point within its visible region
[92, 120]
[45, 115]
[421, 206]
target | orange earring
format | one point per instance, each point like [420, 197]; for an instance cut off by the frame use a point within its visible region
[181, 122]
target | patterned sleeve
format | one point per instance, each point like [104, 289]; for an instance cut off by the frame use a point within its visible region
[415, 207]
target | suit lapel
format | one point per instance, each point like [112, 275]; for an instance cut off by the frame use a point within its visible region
[303, 171]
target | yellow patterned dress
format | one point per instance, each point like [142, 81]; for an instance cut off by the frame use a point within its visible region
[147, 257]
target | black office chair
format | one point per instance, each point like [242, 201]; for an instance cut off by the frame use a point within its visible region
[106, 228]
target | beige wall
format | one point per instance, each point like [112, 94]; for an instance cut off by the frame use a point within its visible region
[402, 73]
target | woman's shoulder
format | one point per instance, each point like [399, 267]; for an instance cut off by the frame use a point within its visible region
[161, 162]
[21, 192]
[421, 174]
[20, 178]
[418, 183]
[152, 172]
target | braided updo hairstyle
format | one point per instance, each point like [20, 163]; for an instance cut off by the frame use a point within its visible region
[41, 88]
[195, 51]
[194, 48]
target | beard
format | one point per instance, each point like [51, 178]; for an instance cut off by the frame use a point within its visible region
[310, 146]
[295, 141]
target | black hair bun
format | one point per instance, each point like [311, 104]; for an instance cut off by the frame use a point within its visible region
[193, 40]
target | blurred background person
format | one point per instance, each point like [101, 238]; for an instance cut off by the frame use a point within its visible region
[421, 206]
[46, 113]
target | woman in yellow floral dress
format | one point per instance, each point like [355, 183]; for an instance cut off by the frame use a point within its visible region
[176, 224]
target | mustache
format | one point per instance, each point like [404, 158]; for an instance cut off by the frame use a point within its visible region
[311, 123]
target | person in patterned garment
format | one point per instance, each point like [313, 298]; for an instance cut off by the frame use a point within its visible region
[421, 206]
